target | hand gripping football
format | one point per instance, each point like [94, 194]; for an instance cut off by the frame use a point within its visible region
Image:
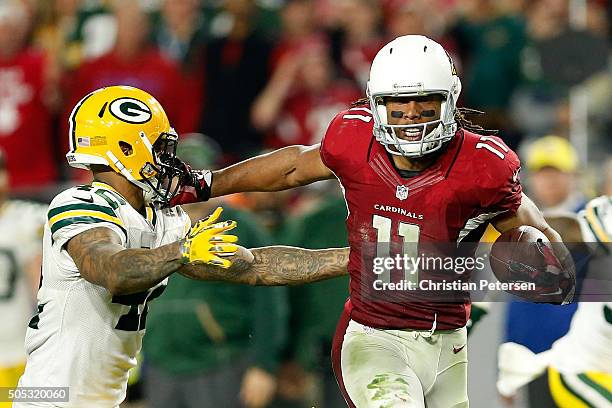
[525, 255]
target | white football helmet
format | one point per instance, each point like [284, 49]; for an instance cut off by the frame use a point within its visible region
[413, 65]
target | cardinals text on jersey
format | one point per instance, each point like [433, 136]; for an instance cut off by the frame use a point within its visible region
[473, 180]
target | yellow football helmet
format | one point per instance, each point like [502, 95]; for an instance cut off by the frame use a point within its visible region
[126, 129]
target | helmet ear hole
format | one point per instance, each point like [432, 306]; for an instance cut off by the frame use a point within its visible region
[126, 148]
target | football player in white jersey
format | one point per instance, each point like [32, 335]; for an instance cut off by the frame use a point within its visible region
[108, 249]
[21, 223]
[580, 363]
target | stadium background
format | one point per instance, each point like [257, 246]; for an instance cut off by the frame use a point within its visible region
[257, 75]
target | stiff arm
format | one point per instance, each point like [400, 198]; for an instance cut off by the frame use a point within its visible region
[102, 260]
[274, 266]
[289, 167]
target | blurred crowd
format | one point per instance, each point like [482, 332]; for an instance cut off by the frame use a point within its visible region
[254, 75]
[238, 77]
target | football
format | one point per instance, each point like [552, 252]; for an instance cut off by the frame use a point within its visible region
[525, 255]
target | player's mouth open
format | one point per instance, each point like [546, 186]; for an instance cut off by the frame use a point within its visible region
[411, 134]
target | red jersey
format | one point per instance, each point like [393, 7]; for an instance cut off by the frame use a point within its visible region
[25, 121]
[473, 179]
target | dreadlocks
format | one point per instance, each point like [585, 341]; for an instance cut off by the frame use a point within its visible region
[465, 123]
[460, 117]
[360, 102]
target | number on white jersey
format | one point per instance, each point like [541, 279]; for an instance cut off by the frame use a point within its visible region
[136, 318]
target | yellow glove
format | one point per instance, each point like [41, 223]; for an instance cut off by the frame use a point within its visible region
[206, 241]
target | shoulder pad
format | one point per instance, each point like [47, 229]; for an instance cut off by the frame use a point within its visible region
[80, 205]
[348, 136]
[494, 162]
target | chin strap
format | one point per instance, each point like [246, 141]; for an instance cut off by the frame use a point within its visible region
[149, 195]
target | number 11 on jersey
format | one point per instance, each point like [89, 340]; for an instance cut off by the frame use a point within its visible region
[410, 234]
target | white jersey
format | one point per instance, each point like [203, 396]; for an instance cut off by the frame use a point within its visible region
[83, 337]
[588, 344]
[21, 223]
[596, 223]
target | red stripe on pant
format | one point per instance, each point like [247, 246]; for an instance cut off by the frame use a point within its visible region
[336, 353]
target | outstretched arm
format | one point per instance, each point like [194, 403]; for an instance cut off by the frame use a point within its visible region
[281, 169]
[275, 265]
[102, 260]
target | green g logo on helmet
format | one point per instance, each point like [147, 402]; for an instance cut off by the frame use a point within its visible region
[130, 110]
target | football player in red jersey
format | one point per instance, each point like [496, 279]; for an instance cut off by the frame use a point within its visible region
[412, 171]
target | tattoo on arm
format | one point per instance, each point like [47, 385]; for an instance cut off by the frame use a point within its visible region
[277, 265]
[102, 260]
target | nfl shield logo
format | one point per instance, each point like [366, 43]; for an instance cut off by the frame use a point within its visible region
[401, 192]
